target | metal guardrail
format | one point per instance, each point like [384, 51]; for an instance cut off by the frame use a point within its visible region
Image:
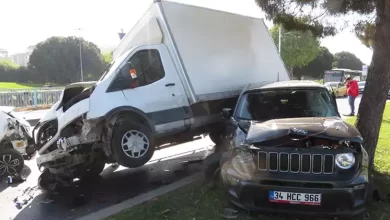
[29, 97]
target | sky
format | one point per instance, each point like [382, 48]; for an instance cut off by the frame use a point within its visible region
[27, 22]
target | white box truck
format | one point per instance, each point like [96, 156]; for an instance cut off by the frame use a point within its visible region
[172, 74]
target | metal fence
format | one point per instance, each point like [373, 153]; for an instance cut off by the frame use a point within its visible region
[27, 98]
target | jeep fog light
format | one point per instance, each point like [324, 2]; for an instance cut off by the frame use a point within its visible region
[345, 161]
[358, 187]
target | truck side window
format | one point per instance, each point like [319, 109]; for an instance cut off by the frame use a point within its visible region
[148, 69]
[149, 66]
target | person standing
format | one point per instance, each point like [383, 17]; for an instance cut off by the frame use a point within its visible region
[352, 92]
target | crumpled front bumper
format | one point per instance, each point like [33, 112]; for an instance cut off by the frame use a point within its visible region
[250, 189]
[338, 202]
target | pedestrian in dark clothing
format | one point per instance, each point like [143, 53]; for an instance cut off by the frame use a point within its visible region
[352, 92]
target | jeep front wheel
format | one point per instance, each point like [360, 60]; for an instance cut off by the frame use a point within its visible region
[132, 144]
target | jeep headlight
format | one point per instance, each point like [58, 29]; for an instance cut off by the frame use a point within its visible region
[345, 161]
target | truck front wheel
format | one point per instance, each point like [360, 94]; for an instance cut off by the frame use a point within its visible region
[132, 144]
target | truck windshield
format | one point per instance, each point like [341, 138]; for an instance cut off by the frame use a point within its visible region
[285, 103]
[105, 71]
[114, 64]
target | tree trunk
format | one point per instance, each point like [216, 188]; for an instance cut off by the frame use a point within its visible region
[291, 72]
[378, 82]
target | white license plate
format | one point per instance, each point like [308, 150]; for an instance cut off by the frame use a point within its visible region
[295, 198]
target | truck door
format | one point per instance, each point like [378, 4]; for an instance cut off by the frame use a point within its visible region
[150, 83]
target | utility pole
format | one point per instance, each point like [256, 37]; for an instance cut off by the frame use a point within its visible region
[81, 58]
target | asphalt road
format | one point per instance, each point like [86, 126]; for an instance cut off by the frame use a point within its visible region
[343, 106]
[115, 185]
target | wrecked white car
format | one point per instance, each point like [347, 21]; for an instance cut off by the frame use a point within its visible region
[15, 142]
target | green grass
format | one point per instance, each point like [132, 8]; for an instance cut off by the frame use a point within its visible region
[195, 202]
[12, 85]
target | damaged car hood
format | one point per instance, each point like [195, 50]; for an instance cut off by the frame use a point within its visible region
[330, 128]
[51, 113]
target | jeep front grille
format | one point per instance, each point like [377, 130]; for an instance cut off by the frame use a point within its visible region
[296, 162]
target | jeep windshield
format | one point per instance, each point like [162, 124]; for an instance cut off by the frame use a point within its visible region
[285, 103]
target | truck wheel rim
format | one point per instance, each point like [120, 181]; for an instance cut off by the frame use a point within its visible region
[8, 165]
[135, 144]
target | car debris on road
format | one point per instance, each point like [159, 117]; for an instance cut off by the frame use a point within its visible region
[28, 194]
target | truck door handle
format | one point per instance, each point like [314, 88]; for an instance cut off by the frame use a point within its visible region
[169, 84]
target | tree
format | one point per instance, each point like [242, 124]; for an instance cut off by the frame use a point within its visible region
[297, 49]
[373, 27]
[6, 64]
[347, 60]
[57, 59]
[315, 69]
[107, 57]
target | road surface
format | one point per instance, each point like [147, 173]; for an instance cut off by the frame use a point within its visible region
[114, 186]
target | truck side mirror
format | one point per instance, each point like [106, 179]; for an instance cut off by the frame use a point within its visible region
[226, 113]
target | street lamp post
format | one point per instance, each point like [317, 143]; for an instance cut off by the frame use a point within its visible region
[280, 39]
[81, 58]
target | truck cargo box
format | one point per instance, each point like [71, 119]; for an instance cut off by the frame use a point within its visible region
[216, 53]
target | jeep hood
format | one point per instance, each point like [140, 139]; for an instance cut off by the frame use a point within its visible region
[330, 128]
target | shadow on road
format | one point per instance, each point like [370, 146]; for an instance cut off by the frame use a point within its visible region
[113, 186]
[25, 173]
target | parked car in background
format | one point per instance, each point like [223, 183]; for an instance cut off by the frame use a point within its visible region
[16, 142]
[338, 88]
[288, 151]
[361, 85]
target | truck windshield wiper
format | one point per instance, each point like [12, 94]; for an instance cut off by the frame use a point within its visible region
[105, 71]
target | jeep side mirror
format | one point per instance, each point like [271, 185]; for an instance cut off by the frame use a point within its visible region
[226, 113]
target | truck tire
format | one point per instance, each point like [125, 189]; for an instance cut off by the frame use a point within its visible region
[94, 170]
[211, 169]
[11, 162]
[132, 144]
[47, 181]
[216, 136]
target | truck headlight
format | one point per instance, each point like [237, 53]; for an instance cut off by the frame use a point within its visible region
[345, 161]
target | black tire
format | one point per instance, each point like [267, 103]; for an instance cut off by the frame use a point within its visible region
[122, 126]
[216, 136]
[47, 181]
[211, 169]
[14, 161]
[94, 171]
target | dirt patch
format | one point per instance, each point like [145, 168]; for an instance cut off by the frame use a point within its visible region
[32, 108]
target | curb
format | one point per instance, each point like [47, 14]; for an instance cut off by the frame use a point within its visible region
[114, 209]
